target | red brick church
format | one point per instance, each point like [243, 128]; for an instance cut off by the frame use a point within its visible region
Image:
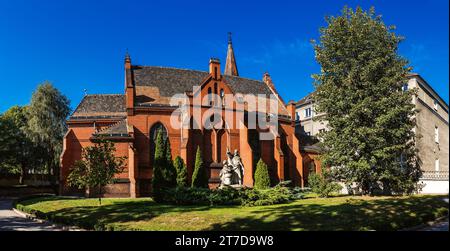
[132, 119]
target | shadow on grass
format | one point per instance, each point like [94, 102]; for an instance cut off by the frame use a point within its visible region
[355, 214]
[100, 217]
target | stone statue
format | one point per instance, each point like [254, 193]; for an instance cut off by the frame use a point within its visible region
[238, 167]
[232, 172]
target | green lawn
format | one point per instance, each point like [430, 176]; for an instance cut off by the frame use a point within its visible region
[337, 213]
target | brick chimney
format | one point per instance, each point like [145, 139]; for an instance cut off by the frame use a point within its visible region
[268, 81]
[129, 86]
[214, 68]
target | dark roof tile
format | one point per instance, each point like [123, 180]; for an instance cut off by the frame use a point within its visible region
[119, 128]
[101, 105]
[171, 81]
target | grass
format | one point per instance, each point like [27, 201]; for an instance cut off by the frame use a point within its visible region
[337, 213]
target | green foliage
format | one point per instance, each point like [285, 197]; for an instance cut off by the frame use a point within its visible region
[164, 172]
[159, 163]
[170, 171]
[262, 197]
[97, 167]
[359, 91]
[262, 178]
[201, 196]
[18, 154]
[199, 177]
[230, 196]
[46, 124]
[322, 184]
[181, 169]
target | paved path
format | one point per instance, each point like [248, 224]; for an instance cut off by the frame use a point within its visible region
[10, 221]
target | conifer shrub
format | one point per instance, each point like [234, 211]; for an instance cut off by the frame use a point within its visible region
[181, 169]
[199, 176]
[158, 167]
[262, 179]
[164, 172]
[170, 174]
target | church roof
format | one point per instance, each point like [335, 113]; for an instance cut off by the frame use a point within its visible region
[118, 129]
[155, 86]
[101, 105]
[171, 81]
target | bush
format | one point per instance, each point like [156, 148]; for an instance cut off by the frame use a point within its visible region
[180, 167]
[323, 185]
[201, 196]
[229, 196]
[262, 179]
[262, 197]
[199, 177]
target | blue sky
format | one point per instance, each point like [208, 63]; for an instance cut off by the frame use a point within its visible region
[81, 44]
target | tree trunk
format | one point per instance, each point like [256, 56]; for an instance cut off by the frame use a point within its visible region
[22, 174]
[100, 195]
[54, 176]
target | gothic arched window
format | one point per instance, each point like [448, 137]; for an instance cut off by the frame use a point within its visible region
[154, 132]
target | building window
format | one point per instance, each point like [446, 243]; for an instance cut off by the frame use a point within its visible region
[405, 87]
[311, 168]
[222, 96]
[308, 112]
[435, 104]
[436, 165]
[297, 116]
[209, 96]
[436, 134]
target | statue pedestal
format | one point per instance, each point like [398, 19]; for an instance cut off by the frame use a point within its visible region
[234, 186]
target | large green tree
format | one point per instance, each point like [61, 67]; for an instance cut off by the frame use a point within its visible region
[97, 168]
[8, 143]
[17, 152]
[46, 124]
[370, 139]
